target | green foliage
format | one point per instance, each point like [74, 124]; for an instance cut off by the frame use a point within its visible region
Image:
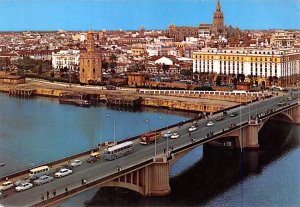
[186, 72]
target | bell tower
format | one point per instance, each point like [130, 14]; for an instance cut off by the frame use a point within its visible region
[218, 21]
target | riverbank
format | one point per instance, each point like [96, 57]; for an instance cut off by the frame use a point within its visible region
[202, 102]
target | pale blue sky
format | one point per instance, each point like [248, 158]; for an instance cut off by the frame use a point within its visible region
[16, 15]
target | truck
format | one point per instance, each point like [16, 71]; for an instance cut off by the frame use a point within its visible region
[149, 137]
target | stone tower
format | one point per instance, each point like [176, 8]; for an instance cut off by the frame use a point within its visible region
[90, 62]
[218, 21]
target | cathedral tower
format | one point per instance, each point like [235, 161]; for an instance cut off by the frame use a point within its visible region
[218, 21]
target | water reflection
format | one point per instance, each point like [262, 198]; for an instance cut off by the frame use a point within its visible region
[229, 177]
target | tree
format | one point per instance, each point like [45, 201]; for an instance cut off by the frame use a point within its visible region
[218, 80]
[165, 67]
[186, 72]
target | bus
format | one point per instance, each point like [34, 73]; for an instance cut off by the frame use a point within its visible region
[118, 150]
[38, 172]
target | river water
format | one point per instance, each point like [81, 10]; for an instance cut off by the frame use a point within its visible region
[39, 130]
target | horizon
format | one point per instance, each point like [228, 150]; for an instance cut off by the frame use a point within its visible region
[128, 15]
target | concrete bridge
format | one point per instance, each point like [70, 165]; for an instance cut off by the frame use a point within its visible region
[146, 171]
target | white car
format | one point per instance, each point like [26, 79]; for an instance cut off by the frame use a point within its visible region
[192, 128]
[43, 179]
[209, 124]
[23, 186]
[62, 172]
[175, 135]
[22, 180]
[6, 185]
[168, 134]
[76, 163]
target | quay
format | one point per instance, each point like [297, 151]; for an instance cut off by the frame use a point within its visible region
[185, 100]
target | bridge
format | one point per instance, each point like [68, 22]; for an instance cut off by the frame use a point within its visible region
[146, 170]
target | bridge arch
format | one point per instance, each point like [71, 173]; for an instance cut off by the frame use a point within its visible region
[283, 116]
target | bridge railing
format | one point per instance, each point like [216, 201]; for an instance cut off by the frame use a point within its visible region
[92, 184]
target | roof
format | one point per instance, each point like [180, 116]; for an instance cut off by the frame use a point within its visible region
[120, 145]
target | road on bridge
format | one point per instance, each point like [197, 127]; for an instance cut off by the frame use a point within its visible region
[102, 168]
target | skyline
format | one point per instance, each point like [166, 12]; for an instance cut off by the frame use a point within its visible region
[82, 15]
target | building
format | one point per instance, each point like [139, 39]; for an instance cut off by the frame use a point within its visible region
[66, 59]
[90, 62]
[138, 50]
[218, 20]
[180, 33]
[136, 80]
[260, 64]
[283, 39]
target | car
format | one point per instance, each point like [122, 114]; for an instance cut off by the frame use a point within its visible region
[2, 195]
[210, 123]
[175, 135]
[168, 134]
[219, 118]
[281, 103]
[76, 163]
[22, 180]
[195, 123]
[233, 114]
[289, 98]
[23, 186]
[6, 185]
[43, 179]
[63, 172]
[92, 159]
[192, 128]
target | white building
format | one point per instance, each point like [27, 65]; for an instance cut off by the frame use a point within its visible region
[66, 58]
[255, 62]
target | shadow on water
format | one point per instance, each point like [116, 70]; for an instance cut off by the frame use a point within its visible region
[218, 171]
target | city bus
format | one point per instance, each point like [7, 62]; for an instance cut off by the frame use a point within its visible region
[38, 172]
[118, 150]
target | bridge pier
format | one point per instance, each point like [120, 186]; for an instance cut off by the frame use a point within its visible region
[248, 138]
[157, 178]
[296, 114]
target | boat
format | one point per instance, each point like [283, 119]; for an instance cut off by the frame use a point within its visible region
[83, 103]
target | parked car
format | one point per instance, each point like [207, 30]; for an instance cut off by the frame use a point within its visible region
[2, 195]
[92, 159]
[43, 179]
[63, 172]
[168, 134]
[175, 135]
[233, 114]
[192, 128]
[289, 98]
[22, 180]
[220, 118]
[281, 103]
[23, 186]
[6, 185]
[76, 163]
[210, 123]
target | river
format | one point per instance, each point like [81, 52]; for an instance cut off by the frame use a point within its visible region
[40, 130]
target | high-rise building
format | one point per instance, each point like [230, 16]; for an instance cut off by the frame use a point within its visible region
[218, 21]
[90, 62]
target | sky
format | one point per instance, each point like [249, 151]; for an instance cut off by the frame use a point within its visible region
[82, 15]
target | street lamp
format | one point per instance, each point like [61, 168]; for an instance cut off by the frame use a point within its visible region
[167, 149]
[148, 122]
[114, 120]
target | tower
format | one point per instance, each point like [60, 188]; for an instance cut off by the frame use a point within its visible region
[218, 21]
[90, 62]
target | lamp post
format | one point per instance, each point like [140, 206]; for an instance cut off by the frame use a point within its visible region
[148, 122]
[167, 149]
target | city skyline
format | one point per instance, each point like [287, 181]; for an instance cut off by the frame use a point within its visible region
[19, 15]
